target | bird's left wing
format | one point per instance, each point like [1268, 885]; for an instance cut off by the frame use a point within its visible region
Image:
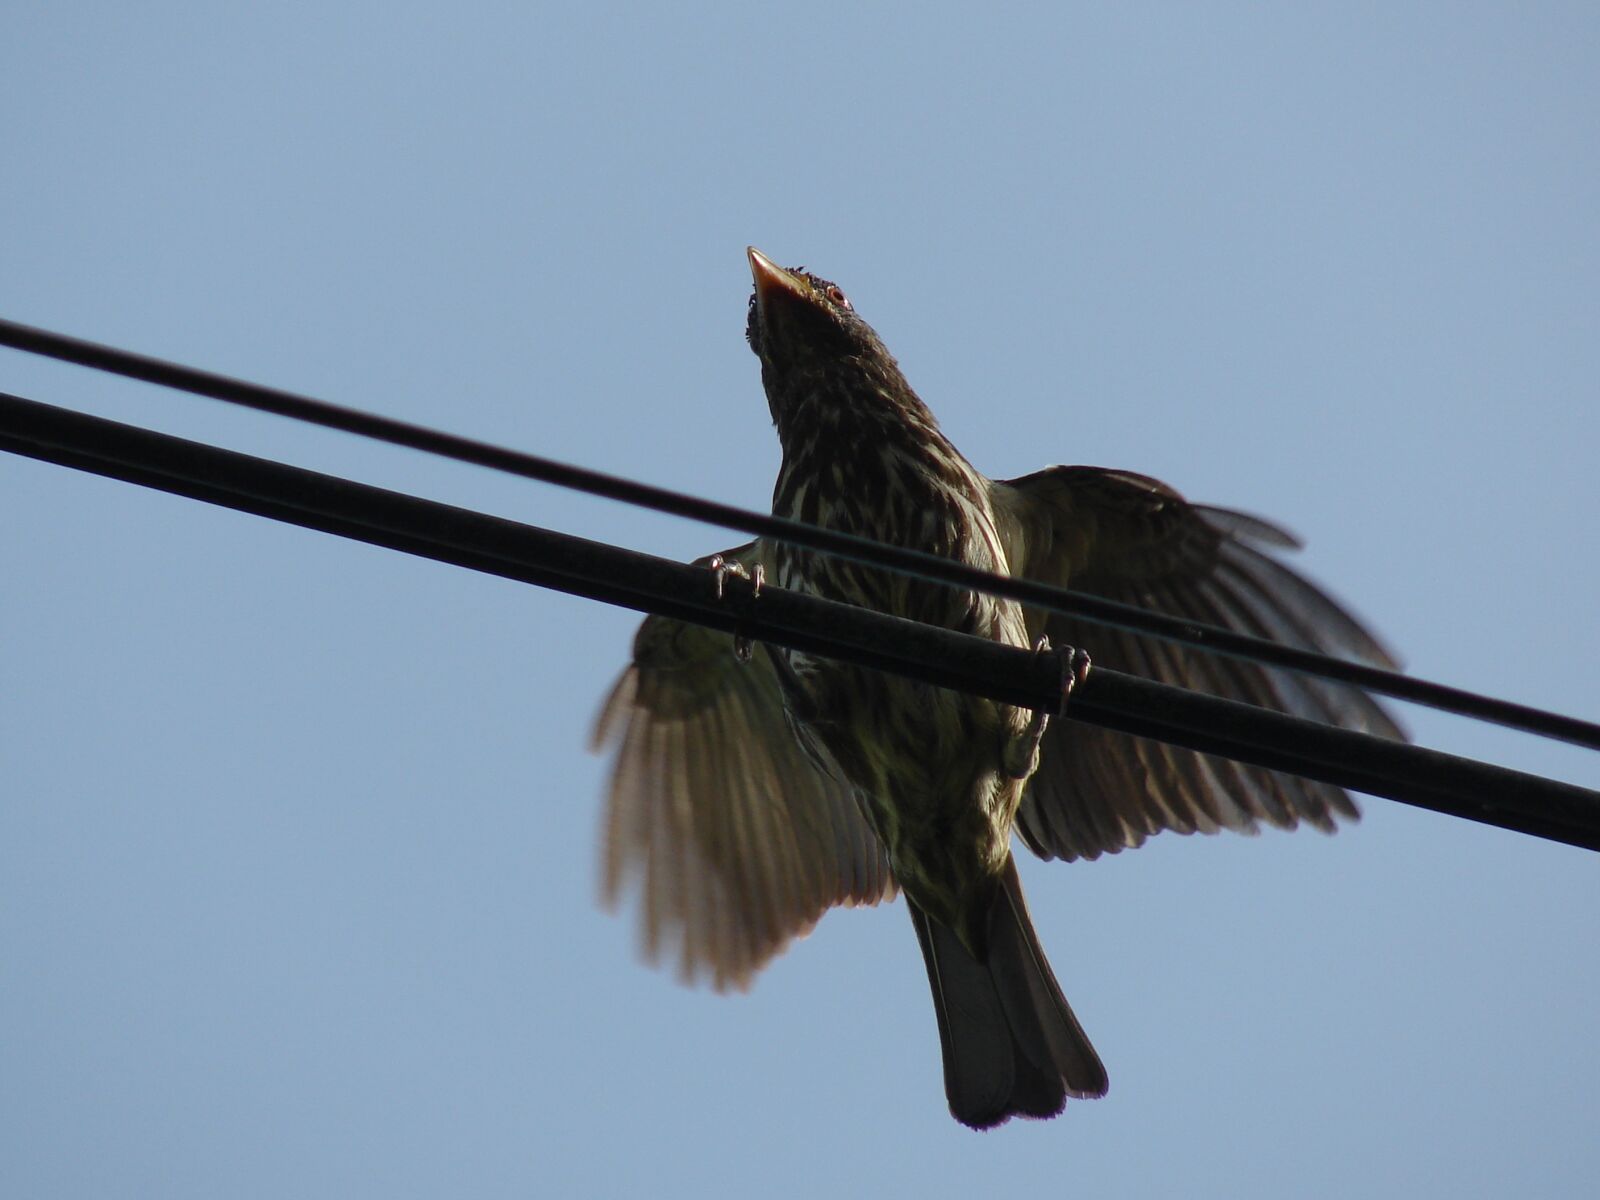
[1131, 538]
[740, 842]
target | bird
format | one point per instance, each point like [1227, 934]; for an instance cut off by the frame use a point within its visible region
[751, 792]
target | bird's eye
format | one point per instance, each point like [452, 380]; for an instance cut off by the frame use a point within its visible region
[833, 293]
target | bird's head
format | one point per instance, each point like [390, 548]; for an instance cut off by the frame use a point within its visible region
[823, 368]
[801, 325]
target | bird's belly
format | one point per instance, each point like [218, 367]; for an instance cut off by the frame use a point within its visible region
[927, 765]
[927, 762]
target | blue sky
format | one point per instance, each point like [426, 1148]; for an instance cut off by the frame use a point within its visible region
[298, 837]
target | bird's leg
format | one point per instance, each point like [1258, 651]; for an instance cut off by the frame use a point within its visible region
[1020, 758]
[721, 568]
[796, 696]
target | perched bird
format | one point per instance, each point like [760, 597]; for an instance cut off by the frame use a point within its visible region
[751, 796]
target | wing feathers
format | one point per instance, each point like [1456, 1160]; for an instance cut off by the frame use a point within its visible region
[1132, 539]
[739, 842]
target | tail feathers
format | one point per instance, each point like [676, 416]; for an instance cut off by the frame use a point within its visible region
[1011, 1044]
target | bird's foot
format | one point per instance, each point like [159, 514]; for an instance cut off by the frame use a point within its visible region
[721, 568]
[1021, 755]
[796, 696]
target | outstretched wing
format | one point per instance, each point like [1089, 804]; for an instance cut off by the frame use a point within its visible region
[1130, 538]
[740, 842]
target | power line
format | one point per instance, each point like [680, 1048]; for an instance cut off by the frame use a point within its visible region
[1078, 604]
[1413, 775]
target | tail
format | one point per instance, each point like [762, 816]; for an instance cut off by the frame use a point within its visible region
[1012, 1047]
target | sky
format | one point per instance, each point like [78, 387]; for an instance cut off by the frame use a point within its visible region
[298, 837]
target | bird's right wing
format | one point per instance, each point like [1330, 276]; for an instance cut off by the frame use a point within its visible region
[1130, 538]
[740, 841]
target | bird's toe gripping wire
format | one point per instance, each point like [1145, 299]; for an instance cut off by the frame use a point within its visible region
[721, 568]
[1021, 755]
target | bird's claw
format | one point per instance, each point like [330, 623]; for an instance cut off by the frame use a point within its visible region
[721, 568]
[1078, 665]
[1021, 756]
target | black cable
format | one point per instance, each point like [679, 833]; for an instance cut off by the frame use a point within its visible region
[897, 558]
[1427, 778]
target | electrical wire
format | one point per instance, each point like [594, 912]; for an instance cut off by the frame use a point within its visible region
[1427, 778]
[913, 562]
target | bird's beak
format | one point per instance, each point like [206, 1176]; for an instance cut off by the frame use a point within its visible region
[773, 282]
